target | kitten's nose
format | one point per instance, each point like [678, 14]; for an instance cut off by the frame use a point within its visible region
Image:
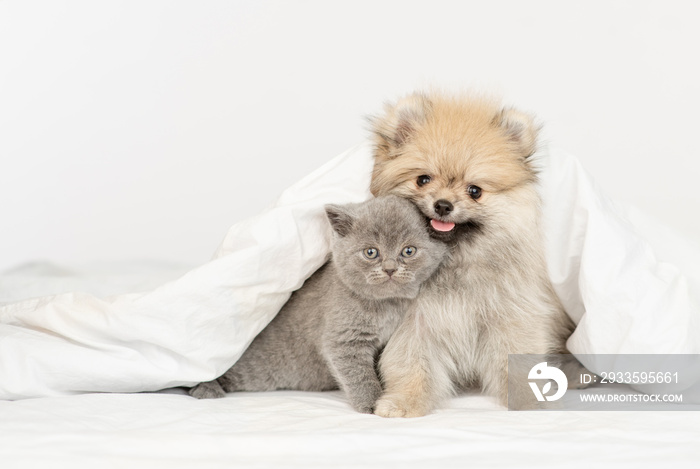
[443, 207]
[389, 266]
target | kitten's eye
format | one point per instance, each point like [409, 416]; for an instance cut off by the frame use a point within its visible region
[474, 192]
[408, 251]
[423, 180]
[370, 253]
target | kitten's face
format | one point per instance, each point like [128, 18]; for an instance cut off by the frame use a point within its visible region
[382, 248]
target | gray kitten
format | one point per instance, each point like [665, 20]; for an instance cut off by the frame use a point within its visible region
[330, 332]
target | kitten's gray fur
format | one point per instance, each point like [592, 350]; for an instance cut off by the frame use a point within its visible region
[330, 332]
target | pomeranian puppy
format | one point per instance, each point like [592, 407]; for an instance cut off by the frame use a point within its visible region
[465, 162]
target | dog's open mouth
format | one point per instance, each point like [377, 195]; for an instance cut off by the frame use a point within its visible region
[449, 231]
[443, 226]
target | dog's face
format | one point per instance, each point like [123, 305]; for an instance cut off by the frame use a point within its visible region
[461, 161]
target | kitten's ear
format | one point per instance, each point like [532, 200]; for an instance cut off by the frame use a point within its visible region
[521, 129]
[399, 121]
[340, 217]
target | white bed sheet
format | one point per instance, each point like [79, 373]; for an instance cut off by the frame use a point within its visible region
[306, 430]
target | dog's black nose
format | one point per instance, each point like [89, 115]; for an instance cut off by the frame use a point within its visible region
[443, 207]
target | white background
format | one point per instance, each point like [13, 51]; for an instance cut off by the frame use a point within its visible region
[143, 129]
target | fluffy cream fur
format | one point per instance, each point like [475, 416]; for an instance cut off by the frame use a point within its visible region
[492, 296]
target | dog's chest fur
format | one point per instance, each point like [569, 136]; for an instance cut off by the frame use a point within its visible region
[488, 290]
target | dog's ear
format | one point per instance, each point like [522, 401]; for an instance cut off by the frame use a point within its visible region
[341, 218]
[399, 122]
[521, 129]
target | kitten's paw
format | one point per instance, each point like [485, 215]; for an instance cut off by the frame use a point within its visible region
[394, 406]
[210, 390]
[364, 399]
[364, 408]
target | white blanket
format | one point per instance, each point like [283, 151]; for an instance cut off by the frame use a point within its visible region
[626, 295]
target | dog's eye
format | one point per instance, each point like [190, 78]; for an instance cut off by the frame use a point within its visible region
[474, 192]
[423, 180]
[370, 253]
[408, 251]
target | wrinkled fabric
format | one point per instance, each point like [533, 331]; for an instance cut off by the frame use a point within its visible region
[627, 295]
[309, 430]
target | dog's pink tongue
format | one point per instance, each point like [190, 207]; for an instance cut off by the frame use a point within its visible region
[441, 225]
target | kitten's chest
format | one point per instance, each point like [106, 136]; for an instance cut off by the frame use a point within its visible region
[386, 316]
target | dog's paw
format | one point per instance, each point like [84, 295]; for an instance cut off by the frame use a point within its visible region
[394, 406]
[210, 390]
